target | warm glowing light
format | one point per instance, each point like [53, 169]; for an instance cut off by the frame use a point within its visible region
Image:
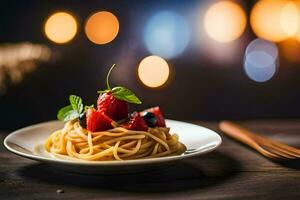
[102, 27]
[268, 19]
[290, 49]
[166, 34]
[225, 21]
[289, 18]
[297, 35]
[61, 27]
[153, 71]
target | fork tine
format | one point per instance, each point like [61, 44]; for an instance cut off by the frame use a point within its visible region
[295, 153]
[268, 153]
[286, 147]
[265, 146]
[282, 146]
[279, 151]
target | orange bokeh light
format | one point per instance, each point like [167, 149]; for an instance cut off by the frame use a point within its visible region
[102, 27]
[153, 71]
[61, 27]
[225, 21]
[297, 35]
[268, 19]
[290, 49]
[289, 18]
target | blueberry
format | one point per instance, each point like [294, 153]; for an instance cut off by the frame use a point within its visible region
[149, 118]
[82, 120]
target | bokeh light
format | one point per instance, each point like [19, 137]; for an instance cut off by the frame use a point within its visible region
[61, 27]
[260, 66]
[289, 18]
[102, 27]
[261, 58]
[18, 60]
[225, 21]
[290, 50]
[262, 45]
[268, 17]
[297, 35]
[166, 34]
[153, 71]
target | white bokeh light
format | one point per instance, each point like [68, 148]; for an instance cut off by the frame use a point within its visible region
[261, 58]
[262, 45]
[260, 66]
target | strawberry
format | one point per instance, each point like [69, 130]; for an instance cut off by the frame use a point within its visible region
[136, 122]
[114, 101]
[158, 114]
[112, 107]
[97, 121]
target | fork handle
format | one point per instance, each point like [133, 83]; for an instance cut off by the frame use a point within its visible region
[237, 132]
[245, 136]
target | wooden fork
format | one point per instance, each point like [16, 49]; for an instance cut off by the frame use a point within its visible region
[265, 146]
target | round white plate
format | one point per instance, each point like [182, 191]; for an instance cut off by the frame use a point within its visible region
[27, 142]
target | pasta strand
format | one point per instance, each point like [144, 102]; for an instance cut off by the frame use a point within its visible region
[75, 142]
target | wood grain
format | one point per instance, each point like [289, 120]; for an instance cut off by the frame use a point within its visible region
[232, 172]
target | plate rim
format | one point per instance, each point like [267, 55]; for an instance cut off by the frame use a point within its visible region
[107, 163]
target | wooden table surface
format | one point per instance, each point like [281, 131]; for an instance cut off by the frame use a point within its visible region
[233, 171]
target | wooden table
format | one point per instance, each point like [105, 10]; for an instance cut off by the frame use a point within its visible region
[231, 172]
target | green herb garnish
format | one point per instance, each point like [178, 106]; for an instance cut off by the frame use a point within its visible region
[73, 110]
[76, 107]
[120, 92]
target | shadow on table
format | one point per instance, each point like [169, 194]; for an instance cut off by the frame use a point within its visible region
[293, 164]
[200, 172]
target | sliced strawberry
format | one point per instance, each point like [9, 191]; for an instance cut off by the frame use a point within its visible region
[97, 121]
[158, 114]
[136, 122]
[112, 107]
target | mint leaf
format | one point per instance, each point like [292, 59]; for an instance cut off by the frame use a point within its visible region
[70, 115]
[119, 92]
[62, 112]
[76, 103]
[125, 94]
[67, 113]
[73, 110]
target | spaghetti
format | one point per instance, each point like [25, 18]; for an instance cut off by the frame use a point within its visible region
[118, 143]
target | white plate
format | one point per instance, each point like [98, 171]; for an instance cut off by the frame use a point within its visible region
[23, 142]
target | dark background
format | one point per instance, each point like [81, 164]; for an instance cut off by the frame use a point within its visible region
[201, 87]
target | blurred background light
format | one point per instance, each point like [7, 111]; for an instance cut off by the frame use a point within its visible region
[261, 58]
[102, 27]
[289, 18]
[153, 71]
[262, 45]
[267, 20]
[260, 66]
[290, 50]
[200, 56]
[225, 21]
[18, 60]
[297, 4]
[166, 34]
[61, 27]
